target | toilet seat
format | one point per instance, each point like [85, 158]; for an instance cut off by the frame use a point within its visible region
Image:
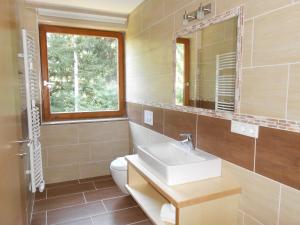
[119, 164]
[118, 170]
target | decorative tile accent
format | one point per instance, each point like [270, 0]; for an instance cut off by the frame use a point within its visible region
[280, 124]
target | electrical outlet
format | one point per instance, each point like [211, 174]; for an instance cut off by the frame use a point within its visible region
[250, 130]
[148, 117]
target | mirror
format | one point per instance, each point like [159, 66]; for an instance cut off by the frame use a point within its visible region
[207, 64]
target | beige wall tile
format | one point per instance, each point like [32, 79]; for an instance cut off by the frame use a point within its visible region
[240, 218]
[260, 196]
[100, 141]
[157, 61]
[252, 7]
[247, 43]
[251, 221]
[172, 5]
[290, 206]
[67, 154]
[152, 88]
[284, 25]
[257, 7]
[134, 23]
[58, 134]
[61, 173]
[44, 157]
[293, 110]
[139, 134]
[109, 150]
[152, 12]
[162, 33]
[105, 131]
[222, 6]
[264, 91]
[136, 47]
[30, 20]
[94, 169]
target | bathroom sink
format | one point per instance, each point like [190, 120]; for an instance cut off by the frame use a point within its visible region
[175, 164]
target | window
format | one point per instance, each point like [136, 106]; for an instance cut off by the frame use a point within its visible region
[182, 71]
[82, 72]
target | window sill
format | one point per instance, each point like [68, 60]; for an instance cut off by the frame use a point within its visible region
[85, 121]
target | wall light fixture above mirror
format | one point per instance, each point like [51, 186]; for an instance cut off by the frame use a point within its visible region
[198, 14]
[208, 63]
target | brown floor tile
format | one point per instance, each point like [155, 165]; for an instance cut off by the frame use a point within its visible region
[39, 218]
[70, 189]
[71, 182]
[105, 183]
[119, 203]
[74, 212]
[107, 177]
[58, 202]
[40, 195]
[121, 217]
[87, 221]
[103, 194]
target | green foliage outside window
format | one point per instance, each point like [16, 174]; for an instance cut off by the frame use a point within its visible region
[83, 73]
[179, 74]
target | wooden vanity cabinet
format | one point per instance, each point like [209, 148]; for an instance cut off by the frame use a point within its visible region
[208, 202]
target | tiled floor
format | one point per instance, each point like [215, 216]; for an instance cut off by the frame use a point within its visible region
[94, 201]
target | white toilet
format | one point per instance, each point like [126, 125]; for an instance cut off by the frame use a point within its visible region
[118, 170]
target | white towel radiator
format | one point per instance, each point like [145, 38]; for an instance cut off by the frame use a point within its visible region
[33, 112]
[225, 82]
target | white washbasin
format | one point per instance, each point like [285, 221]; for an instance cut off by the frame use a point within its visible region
[177, 165]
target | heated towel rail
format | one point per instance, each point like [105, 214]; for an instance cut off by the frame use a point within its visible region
[225, 81]
[33, 113]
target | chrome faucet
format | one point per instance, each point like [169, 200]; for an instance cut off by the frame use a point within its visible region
[188, 140]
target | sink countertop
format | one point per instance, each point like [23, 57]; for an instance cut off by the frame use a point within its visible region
[190, 193]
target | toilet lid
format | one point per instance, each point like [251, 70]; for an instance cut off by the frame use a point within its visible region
[119, 164]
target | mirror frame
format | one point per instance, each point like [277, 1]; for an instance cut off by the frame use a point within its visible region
[235, 12]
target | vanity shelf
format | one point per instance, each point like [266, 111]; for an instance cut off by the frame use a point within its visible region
[149, 200]
[196, 203]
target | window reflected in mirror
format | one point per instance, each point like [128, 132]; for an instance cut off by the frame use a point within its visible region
[206, 67]
[182, 71]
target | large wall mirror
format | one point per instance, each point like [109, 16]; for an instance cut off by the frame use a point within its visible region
[207, 58]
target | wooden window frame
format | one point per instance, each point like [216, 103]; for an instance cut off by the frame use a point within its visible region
[186, 88]
[47, 115]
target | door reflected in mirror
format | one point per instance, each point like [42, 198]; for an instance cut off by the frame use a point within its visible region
[206, 68]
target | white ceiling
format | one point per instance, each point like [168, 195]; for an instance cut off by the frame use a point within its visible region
[109, 6]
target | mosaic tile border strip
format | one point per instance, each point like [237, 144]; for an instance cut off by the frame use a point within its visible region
[280, 124]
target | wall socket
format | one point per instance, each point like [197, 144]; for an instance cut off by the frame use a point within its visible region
[148, 117]
[250, 130]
